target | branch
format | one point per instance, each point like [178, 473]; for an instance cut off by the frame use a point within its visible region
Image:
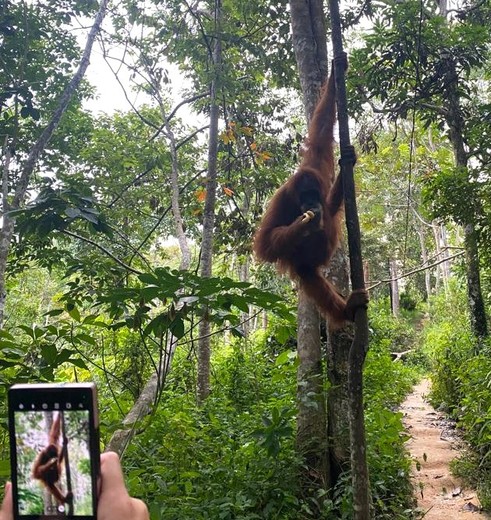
[103, 249]
[417, 270]
[128, 186]
[175, 109]
[190, 136]
[161, 218]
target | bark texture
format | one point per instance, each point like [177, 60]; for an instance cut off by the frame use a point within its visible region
[338, 345]
[359, 347]
[310, 46]
[209, 210]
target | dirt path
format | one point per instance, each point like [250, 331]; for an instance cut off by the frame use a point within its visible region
[440, 495]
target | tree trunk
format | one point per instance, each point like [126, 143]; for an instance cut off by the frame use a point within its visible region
[359, 347]
[441, 248]
[311, 439]
[394, 288]
[146, 401]
[174, 176]
[445, 266]
[455, 122]
[477, 311]
[309, 42]
[310, 46]
[337, 352]
[244, 277]
[66, 463]
[7, 230]
[209, 210]
[420, 229]
[176, 209]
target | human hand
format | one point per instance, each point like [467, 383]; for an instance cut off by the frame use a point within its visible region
[114, 501]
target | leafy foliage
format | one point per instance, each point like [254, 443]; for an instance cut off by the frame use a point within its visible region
[54, 209]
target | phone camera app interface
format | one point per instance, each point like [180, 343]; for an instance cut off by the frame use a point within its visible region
[53, 461]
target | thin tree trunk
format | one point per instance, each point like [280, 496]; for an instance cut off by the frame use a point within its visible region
[244, 277]
[445, 266]
[424, 256]
[443, 269]
[6, 232]
[209, 210]
[174, 183]
[38, 148]
[174, 176]
[66, 463]
[477, 310]
[394, 288]
[310, 45]
[48, 498]
[359, 347]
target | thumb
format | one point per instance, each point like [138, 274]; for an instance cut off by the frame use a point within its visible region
[7, 509]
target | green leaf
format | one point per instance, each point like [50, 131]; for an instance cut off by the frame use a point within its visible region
[282, 359]
[78, 363]
[177, 328]
[64, 356]
[150, 292]
[148, 278]
[240, 302]
[28, 330]
[54, 312]
[73, 212]
[6, 335]
[49, 353]
[12, 352]
[73, 311]
[90, 217]
[87, 338]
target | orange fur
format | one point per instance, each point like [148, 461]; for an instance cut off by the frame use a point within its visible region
[301, 246]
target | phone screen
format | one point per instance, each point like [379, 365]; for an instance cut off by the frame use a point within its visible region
[54, 451]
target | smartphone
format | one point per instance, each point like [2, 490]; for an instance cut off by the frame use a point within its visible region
[54, 450]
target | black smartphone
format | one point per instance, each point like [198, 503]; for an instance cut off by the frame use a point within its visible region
[54, 450]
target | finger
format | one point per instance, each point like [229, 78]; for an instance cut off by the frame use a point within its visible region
[7, 509]
[111, 473]
[140, 508]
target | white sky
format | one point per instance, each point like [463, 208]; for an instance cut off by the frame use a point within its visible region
[110, 95]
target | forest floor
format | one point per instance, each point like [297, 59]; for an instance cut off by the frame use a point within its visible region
[433, 444]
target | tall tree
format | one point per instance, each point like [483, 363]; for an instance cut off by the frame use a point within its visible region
[22, 106]
[206, 261]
